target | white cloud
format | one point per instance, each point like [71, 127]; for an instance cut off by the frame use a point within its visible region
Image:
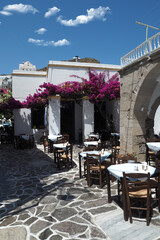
[22, 8]
[44, 43]
[0, 23]
[62, 42]
[92, 13]
[41, 31]
[51, 11]
[5, 13]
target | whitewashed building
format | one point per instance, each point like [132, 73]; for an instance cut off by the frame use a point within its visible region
[75, 118]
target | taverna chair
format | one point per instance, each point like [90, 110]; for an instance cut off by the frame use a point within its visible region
[137, 194]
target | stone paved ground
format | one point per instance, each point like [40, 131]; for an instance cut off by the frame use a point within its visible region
[37, 201]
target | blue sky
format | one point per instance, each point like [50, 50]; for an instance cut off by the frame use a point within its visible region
[43, 30]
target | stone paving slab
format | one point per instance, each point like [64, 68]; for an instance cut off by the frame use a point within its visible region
[38, 202]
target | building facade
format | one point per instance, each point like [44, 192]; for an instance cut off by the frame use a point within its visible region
[74, 117]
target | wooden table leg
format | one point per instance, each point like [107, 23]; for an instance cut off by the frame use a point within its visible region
[125, 209]
[109, 187]
[80, 172]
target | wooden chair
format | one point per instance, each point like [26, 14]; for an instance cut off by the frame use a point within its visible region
[57, 152]
[31, 141]
[155, 184]
[65, 136]
[123, 158]
[89, 139]
[64, 159]
[88, 149]
[46, 144]
[115, 147]
[137, 190]
[17, 142]
[151, 156]
[95, 171]
[61, 140]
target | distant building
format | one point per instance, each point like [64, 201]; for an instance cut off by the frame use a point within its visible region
[6, 81]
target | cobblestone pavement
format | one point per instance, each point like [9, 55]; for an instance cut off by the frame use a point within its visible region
[37, 201]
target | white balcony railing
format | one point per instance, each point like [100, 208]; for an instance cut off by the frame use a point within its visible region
[144, 49]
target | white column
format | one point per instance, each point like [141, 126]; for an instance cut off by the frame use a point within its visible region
[87, 118]
[54, 115]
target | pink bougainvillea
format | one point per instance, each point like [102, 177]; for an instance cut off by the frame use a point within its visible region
[96, 88]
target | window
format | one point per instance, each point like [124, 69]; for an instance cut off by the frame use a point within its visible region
[38, 118]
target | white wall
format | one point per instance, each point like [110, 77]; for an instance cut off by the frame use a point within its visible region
[59, 72]
[87, 118]
[22, 124]
[22, 121]
[54, 116]
[24, 83]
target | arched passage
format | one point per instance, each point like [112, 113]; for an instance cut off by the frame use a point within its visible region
[139, 98]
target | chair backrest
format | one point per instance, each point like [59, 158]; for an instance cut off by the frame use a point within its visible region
[157, 163]
[65, 136]
[114, 141]
[154, 139]
[93, 159]
[122, 158]
[45, 141]
[61, 140]
[68, 151]
[96, 137]
[90, 148]
[134, 182]
[89, 139]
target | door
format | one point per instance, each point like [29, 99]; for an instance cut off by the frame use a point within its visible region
[68, 119]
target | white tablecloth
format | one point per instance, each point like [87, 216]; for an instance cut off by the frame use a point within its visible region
[94, 135]
[53, 138]
[118, 169]
[115, 134]
[154, 146]
[61, 145]
[93, 143]
[104, 154]
[25, 137]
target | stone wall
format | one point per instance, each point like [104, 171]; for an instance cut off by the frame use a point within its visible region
[138, 82]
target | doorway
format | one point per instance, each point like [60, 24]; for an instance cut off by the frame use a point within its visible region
[68, 119]
[99, 121]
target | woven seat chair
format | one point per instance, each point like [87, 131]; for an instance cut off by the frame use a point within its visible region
[64, 159]
[95, 171]
[137, 191]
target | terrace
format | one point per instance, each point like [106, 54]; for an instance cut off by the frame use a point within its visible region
[38, 201]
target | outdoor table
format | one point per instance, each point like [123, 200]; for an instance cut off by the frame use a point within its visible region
[61, 145]
[117, 171]
[91, 143]
[154, 146]
[115, 134]
[25, 137]
[53, 138]
[95, 135]
[82, 155]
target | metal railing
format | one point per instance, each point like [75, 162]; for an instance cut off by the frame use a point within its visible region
[143, 49]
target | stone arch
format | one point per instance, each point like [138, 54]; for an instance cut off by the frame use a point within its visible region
[138, 83]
